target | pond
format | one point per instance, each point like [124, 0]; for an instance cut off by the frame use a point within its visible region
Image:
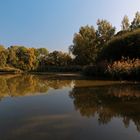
[41, 108]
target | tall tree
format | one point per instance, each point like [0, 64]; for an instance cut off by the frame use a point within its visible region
[26, 58]
[104, 32]
[12, 57]
[22, 56]
[125, 23]
[32, 60]
[84, 45]
[58, 58]
[136, 21]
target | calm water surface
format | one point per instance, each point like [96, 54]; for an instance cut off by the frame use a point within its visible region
[36, 108]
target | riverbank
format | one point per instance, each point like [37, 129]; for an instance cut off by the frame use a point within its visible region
[9, 70]
[90, 74]
[60, 75]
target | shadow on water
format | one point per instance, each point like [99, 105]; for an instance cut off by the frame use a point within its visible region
[119, 100]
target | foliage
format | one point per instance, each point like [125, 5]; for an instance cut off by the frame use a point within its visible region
[55, 61]
[125, 24]
[12, 57]
[136, 21]
[42, 52]
[84, 45]
[3, 56]
[88, 42]
[125, 69]
[58, 58]
[30, 59]
[92, 49]
[97, 70]
[26, 58]
[104, 32]
[125, 45]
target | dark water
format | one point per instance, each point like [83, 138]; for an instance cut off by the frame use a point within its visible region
[35, 108]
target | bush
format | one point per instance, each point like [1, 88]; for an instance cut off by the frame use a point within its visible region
[96, 70]
[125, 69]
[125, 45]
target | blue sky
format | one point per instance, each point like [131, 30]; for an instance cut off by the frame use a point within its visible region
[52, 23]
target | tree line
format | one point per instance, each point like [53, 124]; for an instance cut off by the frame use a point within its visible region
[29, 59]
[91, 46]
[106, 53]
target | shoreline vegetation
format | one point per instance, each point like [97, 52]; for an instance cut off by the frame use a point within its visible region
[96, 53]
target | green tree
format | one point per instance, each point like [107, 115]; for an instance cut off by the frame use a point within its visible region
[3, 56]
[22, 56]
[104, 32]
[126, 45]
[32, 59]
[125, 23]
[26, 58]
[84, 46]
[58, 58]
[136, 21]
[41, 52]
[12, 57]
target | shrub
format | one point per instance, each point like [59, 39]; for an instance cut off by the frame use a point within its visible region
[127, 45]
[125, 69]
[96, 70]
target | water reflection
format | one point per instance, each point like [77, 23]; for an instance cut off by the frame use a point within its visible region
[14, 86]
[119, 101]
[56, 114]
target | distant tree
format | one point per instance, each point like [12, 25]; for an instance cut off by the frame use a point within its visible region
[136, 21]
[42, 52]
[58, 58]
[26, 58]
[22, 56]
[67, 59]
[84, 46]
[3, 56]
[12, 57]
[104, 32]
[2, 48]
[32, 59]
[125, 23]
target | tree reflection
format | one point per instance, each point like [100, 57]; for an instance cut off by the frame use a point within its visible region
[28, 85]
[108, 102]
